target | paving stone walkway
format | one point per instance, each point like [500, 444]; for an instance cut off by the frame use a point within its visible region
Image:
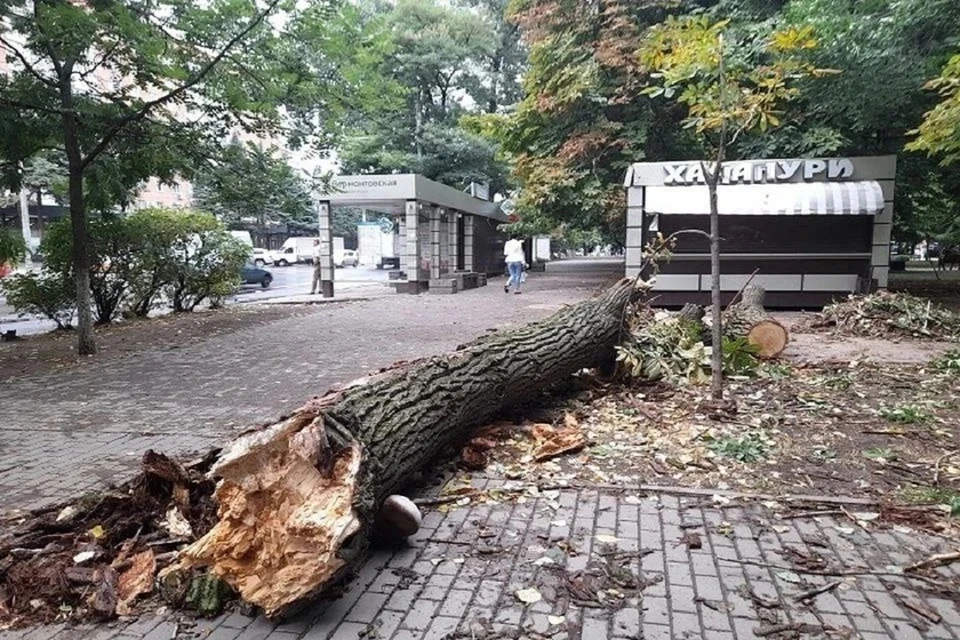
[81, 428]
[607, 563]
[618, 567]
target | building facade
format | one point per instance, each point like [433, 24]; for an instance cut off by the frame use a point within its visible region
[808, 230]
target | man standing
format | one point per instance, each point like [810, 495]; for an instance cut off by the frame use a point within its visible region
[513, 252]
[316, 266]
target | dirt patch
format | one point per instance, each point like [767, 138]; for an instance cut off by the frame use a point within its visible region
[33, 355]
[820, 348]
[887, 432]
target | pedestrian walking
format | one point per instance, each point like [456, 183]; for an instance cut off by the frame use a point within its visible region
[316, 267]
[516, 260]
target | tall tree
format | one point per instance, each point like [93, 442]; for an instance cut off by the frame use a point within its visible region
[442, 60]
[726, 92]
[583, 120]
[252, 184]
[90, 78]
[125, 88]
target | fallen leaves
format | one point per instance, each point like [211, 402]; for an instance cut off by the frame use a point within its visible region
[529, 595]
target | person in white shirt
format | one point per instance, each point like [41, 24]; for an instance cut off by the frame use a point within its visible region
[316, 267]
[516, 259]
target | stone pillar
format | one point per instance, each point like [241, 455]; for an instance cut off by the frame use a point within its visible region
[467, 242]
[402, 229]
[435, 242]
[412, 247]
[636, 234]
[452, 239]
[326, 249]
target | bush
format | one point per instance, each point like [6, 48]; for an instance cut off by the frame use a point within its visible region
[112, 250]
[154, 232]
[47, 294]
[138, 260]
[12, 246]
[207, 262]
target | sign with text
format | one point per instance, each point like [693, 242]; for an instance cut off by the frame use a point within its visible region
[374, 187]
[761, 171]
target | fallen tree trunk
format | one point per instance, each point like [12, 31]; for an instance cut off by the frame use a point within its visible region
[747, 318]
[298, 499]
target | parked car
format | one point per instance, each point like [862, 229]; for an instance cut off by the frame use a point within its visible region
[252, 274]
[261, 257]
[347, 258]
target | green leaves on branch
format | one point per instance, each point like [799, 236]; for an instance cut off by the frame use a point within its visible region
[939, 133]
[12, 246]
[137, 263]
[686, 54]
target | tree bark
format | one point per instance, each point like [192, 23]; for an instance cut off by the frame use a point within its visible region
[749, 319]
[716, 358]
[86, 344]
[299, 498]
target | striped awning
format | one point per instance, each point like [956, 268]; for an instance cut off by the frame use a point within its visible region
[790, 199]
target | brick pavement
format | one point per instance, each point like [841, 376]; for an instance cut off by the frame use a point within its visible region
[458, 578]
[76, 430]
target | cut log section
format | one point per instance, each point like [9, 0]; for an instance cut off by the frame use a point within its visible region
[749, 319]
[298, 499]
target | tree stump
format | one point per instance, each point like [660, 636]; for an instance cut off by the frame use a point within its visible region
[747, 318]
[298, 499]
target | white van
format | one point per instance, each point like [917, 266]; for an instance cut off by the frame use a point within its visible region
[294, 250]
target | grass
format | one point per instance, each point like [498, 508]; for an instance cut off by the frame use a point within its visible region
[841, 381]
[750, 447]
[932, 495]
[880, 454]
[948, 363]
[903, 414]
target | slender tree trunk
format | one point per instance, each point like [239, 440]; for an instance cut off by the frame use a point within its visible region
[494, 102]
[716, 361]
[418, 128]
[86, 344]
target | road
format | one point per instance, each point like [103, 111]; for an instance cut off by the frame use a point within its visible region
[296, 280]
[287, 281]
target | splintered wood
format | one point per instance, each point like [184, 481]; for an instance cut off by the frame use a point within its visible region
[285, 511]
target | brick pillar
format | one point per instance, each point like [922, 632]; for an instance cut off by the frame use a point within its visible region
[402, 228]
[412, 247]
[467, 242]
[434, 243]
[452, 239]
[326, 249]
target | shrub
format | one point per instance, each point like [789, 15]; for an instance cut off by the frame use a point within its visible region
[207, 262]
[154, 232]
[48, 294]
[112, 251]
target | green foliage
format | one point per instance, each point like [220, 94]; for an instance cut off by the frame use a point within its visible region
[663, 349]
[904, 414]
[841, 381]
[883, 313]
[881, 454]
[248, 184]
[207, 263]
[442, 63]
[775, 370]
[740, 357]
[12, 246]
[939, 133]
[46, 294]
[112, 250]
[583, 120]
[948, 362]
[752, 446]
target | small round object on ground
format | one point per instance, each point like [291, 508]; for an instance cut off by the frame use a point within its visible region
[399, 517]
